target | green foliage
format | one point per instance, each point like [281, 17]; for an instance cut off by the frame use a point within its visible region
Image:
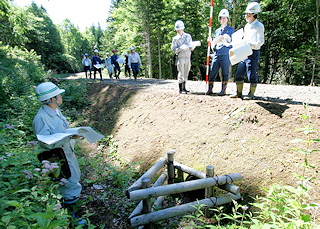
[122, 174]
[45, 39]
[290, 49]
[75, 95]
[75, 44]
[19, 71]
[283, 207]
[28, 197]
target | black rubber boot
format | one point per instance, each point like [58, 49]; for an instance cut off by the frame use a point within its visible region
[184, 87]
[209, 92]
[180, 88]
[223, 89]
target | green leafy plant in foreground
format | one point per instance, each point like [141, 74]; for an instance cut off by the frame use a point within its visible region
[28, 197]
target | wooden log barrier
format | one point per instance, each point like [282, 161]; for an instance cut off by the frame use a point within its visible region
[183, 186]
[231, 188]
[181, 209]
[150, 173]
[160, 181]
[189, 170]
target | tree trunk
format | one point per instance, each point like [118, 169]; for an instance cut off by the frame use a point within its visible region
[159, 57]
[317, 42]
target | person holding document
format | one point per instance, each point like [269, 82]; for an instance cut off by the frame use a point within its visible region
[97, 64]
[49, 120]
[220, 59]
[254, 36]
[182, 49]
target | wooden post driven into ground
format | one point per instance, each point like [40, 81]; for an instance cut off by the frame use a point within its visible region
[170, 155]
[145, 214]
[209, 191]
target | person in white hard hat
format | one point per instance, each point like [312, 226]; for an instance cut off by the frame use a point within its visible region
[134, 62]
[109, 65]
[87, 64]
[254, 35]
[180, 46]
[220, 59]
[49, 120]
[97, 64]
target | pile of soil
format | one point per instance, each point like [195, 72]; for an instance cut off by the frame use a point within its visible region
[149, 117]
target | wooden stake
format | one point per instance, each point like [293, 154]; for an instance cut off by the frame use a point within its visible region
[209, 173]
[209, 190]
[171, 176]
[146, 203]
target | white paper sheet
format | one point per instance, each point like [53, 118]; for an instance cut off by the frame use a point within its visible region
[237, 38]
[239, 53]
[194, 44]
[86, 131]
[98, 66]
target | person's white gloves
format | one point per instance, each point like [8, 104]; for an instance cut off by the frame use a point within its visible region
[217, 40]
[113, 65]
[227, 38]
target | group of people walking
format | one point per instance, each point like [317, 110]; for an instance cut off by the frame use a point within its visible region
[221, 44]
[112, 63]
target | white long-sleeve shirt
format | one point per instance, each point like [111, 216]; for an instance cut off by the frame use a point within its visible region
[86, 62]
[254, 34]
[134, 58]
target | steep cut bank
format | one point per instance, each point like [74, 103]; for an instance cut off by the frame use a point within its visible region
[148, 120]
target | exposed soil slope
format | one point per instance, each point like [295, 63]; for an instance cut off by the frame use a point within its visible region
[149, 120]
[149, 117]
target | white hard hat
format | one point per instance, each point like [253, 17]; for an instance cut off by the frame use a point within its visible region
[179, 25]
[131, 48]
[253, 7]
[223, 13]
[47, 90]
[125, 54]
[96, 50]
